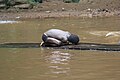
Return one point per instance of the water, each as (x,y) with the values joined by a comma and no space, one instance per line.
(48,64)
(7,21)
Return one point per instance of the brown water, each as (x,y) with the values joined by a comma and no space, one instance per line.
(47,64)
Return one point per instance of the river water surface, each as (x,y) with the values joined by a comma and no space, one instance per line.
(48,64)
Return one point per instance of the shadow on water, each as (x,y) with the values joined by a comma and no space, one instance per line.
(80,46)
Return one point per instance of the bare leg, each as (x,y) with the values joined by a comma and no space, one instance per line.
(52,42)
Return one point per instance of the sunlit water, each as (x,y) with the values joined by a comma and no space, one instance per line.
(7,21)
(48,64)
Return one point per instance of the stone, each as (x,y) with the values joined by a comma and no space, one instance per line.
(1,1)
(2,6)
(24,6)
(21,1)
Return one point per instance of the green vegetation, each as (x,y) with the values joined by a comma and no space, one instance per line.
(67,1)
(33,2)
(75,1)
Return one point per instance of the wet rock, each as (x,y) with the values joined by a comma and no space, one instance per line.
(24,6)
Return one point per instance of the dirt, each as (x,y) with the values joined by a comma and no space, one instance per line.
(53,9)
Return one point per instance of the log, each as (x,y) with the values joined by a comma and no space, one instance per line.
(80,46)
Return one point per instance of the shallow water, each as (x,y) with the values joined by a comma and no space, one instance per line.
(47,64)
(7,21)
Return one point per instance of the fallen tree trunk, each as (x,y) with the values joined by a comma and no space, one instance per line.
(80,46)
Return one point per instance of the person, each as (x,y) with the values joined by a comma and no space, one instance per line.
(57,37)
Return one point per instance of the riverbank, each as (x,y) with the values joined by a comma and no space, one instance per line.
(60,14)
(57,9)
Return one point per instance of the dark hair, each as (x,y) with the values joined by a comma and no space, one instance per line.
(74,39)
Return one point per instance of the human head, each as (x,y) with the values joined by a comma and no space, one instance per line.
(74,39)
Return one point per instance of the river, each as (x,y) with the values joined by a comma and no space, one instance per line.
(56,64)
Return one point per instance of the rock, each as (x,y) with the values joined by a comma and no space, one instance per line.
(24,6)
(1,1)
(21,1)
(18,2)
(2,6)
(10,2)
(113,33)
(63,9)
(103,10)
(48,11)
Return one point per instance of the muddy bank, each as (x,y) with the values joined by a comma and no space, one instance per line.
(53,9)
(61,14)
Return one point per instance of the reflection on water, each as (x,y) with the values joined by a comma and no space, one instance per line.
(59,62)
(59,57)
(46,64)
(7,21)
